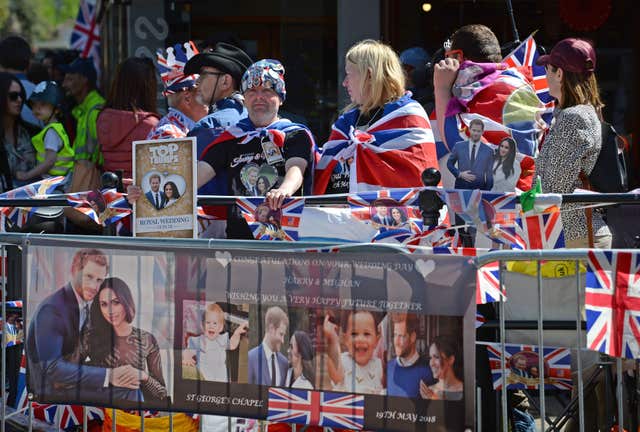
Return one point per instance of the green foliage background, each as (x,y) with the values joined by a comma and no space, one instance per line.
(35,19)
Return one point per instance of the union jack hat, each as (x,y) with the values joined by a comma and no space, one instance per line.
(268,73)
(171,67)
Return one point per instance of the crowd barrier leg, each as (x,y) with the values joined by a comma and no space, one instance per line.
(503,362)
(541,348)
(579,348)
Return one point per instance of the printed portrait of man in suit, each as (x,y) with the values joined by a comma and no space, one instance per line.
(267,365)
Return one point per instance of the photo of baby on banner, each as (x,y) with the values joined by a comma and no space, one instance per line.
(523,367)
(268,224)
(211,340)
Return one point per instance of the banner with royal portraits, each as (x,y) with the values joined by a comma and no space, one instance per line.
(351,340)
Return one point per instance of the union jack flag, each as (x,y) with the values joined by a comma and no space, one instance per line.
(391,153)
(541,231)
(526,54)
(557,367)
(41,189)
(14,303)
(173,125)
(115,205)
(67,416)
(85,36)
(612,302)
(488,288)
(335,410)
(266,224)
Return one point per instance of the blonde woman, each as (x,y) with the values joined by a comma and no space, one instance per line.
(383,138)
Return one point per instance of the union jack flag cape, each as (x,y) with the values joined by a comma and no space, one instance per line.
(557,365)
(173,125)
(85,36)
(335,410)
(390,153)
(41,189)
(612,303)
(282,224)
(512,105)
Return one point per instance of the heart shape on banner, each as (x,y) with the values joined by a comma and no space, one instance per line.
(224,258)
(425,267)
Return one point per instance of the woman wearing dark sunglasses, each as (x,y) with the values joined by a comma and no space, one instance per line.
(18,153)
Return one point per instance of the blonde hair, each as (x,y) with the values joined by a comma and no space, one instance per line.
(383,78)
(213,308)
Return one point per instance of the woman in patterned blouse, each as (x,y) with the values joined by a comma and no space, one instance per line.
(574,140)
(113,341)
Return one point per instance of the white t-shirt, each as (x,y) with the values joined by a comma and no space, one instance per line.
(211,356)
(361,379)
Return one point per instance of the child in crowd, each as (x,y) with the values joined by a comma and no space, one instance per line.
(54,155)
(209,350)
(356,370)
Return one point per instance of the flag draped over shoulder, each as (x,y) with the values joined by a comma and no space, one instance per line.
(391,153)
(511,98)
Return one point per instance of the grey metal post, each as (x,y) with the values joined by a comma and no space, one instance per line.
(503,365)
(619,394)
(4,339)
(84,419)
(579,358)
(478,409)
(541,348)
(171,421)
(113,420)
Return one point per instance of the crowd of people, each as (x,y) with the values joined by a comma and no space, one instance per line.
(382,139)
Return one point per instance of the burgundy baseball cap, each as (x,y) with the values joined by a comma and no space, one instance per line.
(571,54)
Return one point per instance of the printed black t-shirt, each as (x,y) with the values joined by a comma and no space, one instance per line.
(252,172)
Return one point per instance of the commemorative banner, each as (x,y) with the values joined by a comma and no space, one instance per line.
(370,341)
(166,172)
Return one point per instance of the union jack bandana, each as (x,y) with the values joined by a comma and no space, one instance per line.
(268,73)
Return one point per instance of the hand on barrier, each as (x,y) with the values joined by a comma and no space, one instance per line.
(275,198)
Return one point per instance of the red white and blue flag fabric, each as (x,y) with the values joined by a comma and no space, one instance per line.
(612,303)
(541,231)
(557,367)
(19,215)
(104,208)
(267,224)
(335,410)
(488,289)
(66,416)
(173,125)
(391,153)
(525,55)
(85,36)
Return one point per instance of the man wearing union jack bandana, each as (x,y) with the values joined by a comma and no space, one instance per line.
(280,150)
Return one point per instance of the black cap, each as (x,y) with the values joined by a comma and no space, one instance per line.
(82,66)
(225,57)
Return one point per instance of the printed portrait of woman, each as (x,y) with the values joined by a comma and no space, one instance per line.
(263,185)
(171,193)
(445,361)
(399,217)
(113,341)
(301,373)
(506,170)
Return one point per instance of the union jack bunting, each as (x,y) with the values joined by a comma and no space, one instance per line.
(439,236)
(391,153)
(19,215)
(480,319)
(266,224)
(14,304)
(85,36)
(612,302)
(488,288)
(336,410)
(521,363)
(541,231)
(171,67)
(111,205)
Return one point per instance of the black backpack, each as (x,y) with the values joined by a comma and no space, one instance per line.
(609,174)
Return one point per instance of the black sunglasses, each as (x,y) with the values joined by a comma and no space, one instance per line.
(13,96)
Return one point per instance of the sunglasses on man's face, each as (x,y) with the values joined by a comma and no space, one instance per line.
(13,96)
